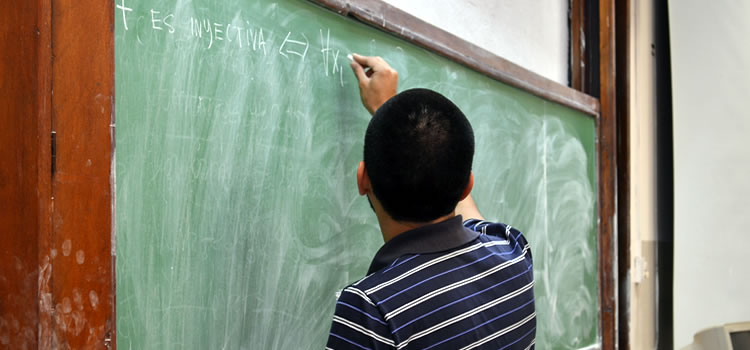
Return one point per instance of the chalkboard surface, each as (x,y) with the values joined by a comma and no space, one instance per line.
(239,129)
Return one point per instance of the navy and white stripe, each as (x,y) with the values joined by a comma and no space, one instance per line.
(442,286)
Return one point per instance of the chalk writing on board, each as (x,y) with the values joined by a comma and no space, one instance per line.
(159,23)
(121,6)
(291,46)
(327,52)
(237,34)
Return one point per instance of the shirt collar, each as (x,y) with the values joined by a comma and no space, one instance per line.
(431,238)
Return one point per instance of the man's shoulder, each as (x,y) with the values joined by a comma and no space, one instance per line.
(496,230)
(498,233)
(410,302)
(412,264)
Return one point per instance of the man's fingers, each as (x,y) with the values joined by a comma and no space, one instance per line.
(359,71)
(362,60)
(375,63)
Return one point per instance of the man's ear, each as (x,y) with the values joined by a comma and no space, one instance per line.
(469,186)
(363,180)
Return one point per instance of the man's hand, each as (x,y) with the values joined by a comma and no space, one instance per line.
(377,81)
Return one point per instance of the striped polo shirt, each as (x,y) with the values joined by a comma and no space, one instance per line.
(443,286)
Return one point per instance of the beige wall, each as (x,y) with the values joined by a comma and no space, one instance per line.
(711,96)
(532,34)
(643,213)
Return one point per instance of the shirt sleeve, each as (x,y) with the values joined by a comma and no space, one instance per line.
(497,229)
(358,324)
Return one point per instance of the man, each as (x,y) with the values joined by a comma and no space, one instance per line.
(437,282)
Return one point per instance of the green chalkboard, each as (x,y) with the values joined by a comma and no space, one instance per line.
(238,133)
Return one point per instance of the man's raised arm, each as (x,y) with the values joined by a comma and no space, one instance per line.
(377,80)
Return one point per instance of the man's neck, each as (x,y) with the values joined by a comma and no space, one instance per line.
(391,228)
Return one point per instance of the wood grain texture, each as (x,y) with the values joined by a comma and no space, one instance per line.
(20,174)
(401,24)
(81,283)
(607,137)
(46,199)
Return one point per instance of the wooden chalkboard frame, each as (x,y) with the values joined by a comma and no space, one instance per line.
(392,20)
(385,17)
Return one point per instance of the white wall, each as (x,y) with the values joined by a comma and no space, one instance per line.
(711,99)
(532,34)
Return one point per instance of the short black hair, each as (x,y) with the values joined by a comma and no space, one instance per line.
(418,153)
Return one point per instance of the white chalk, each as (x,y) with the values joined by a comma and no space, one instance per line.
(350,57)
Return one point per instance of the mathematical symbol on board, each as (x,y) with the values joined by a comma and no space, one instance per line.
(336,67)
(326,47)
(122,7)
(294,42)
(328,53)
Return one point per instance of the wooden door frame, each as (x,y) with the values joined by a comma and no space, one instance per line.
(60,115)
(602,71)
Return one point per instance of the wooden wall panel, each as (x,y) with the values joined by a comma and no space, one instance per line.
(20,171)
(82,280)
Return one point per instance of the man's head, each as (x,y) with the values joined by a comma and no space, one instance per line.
(418,153)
